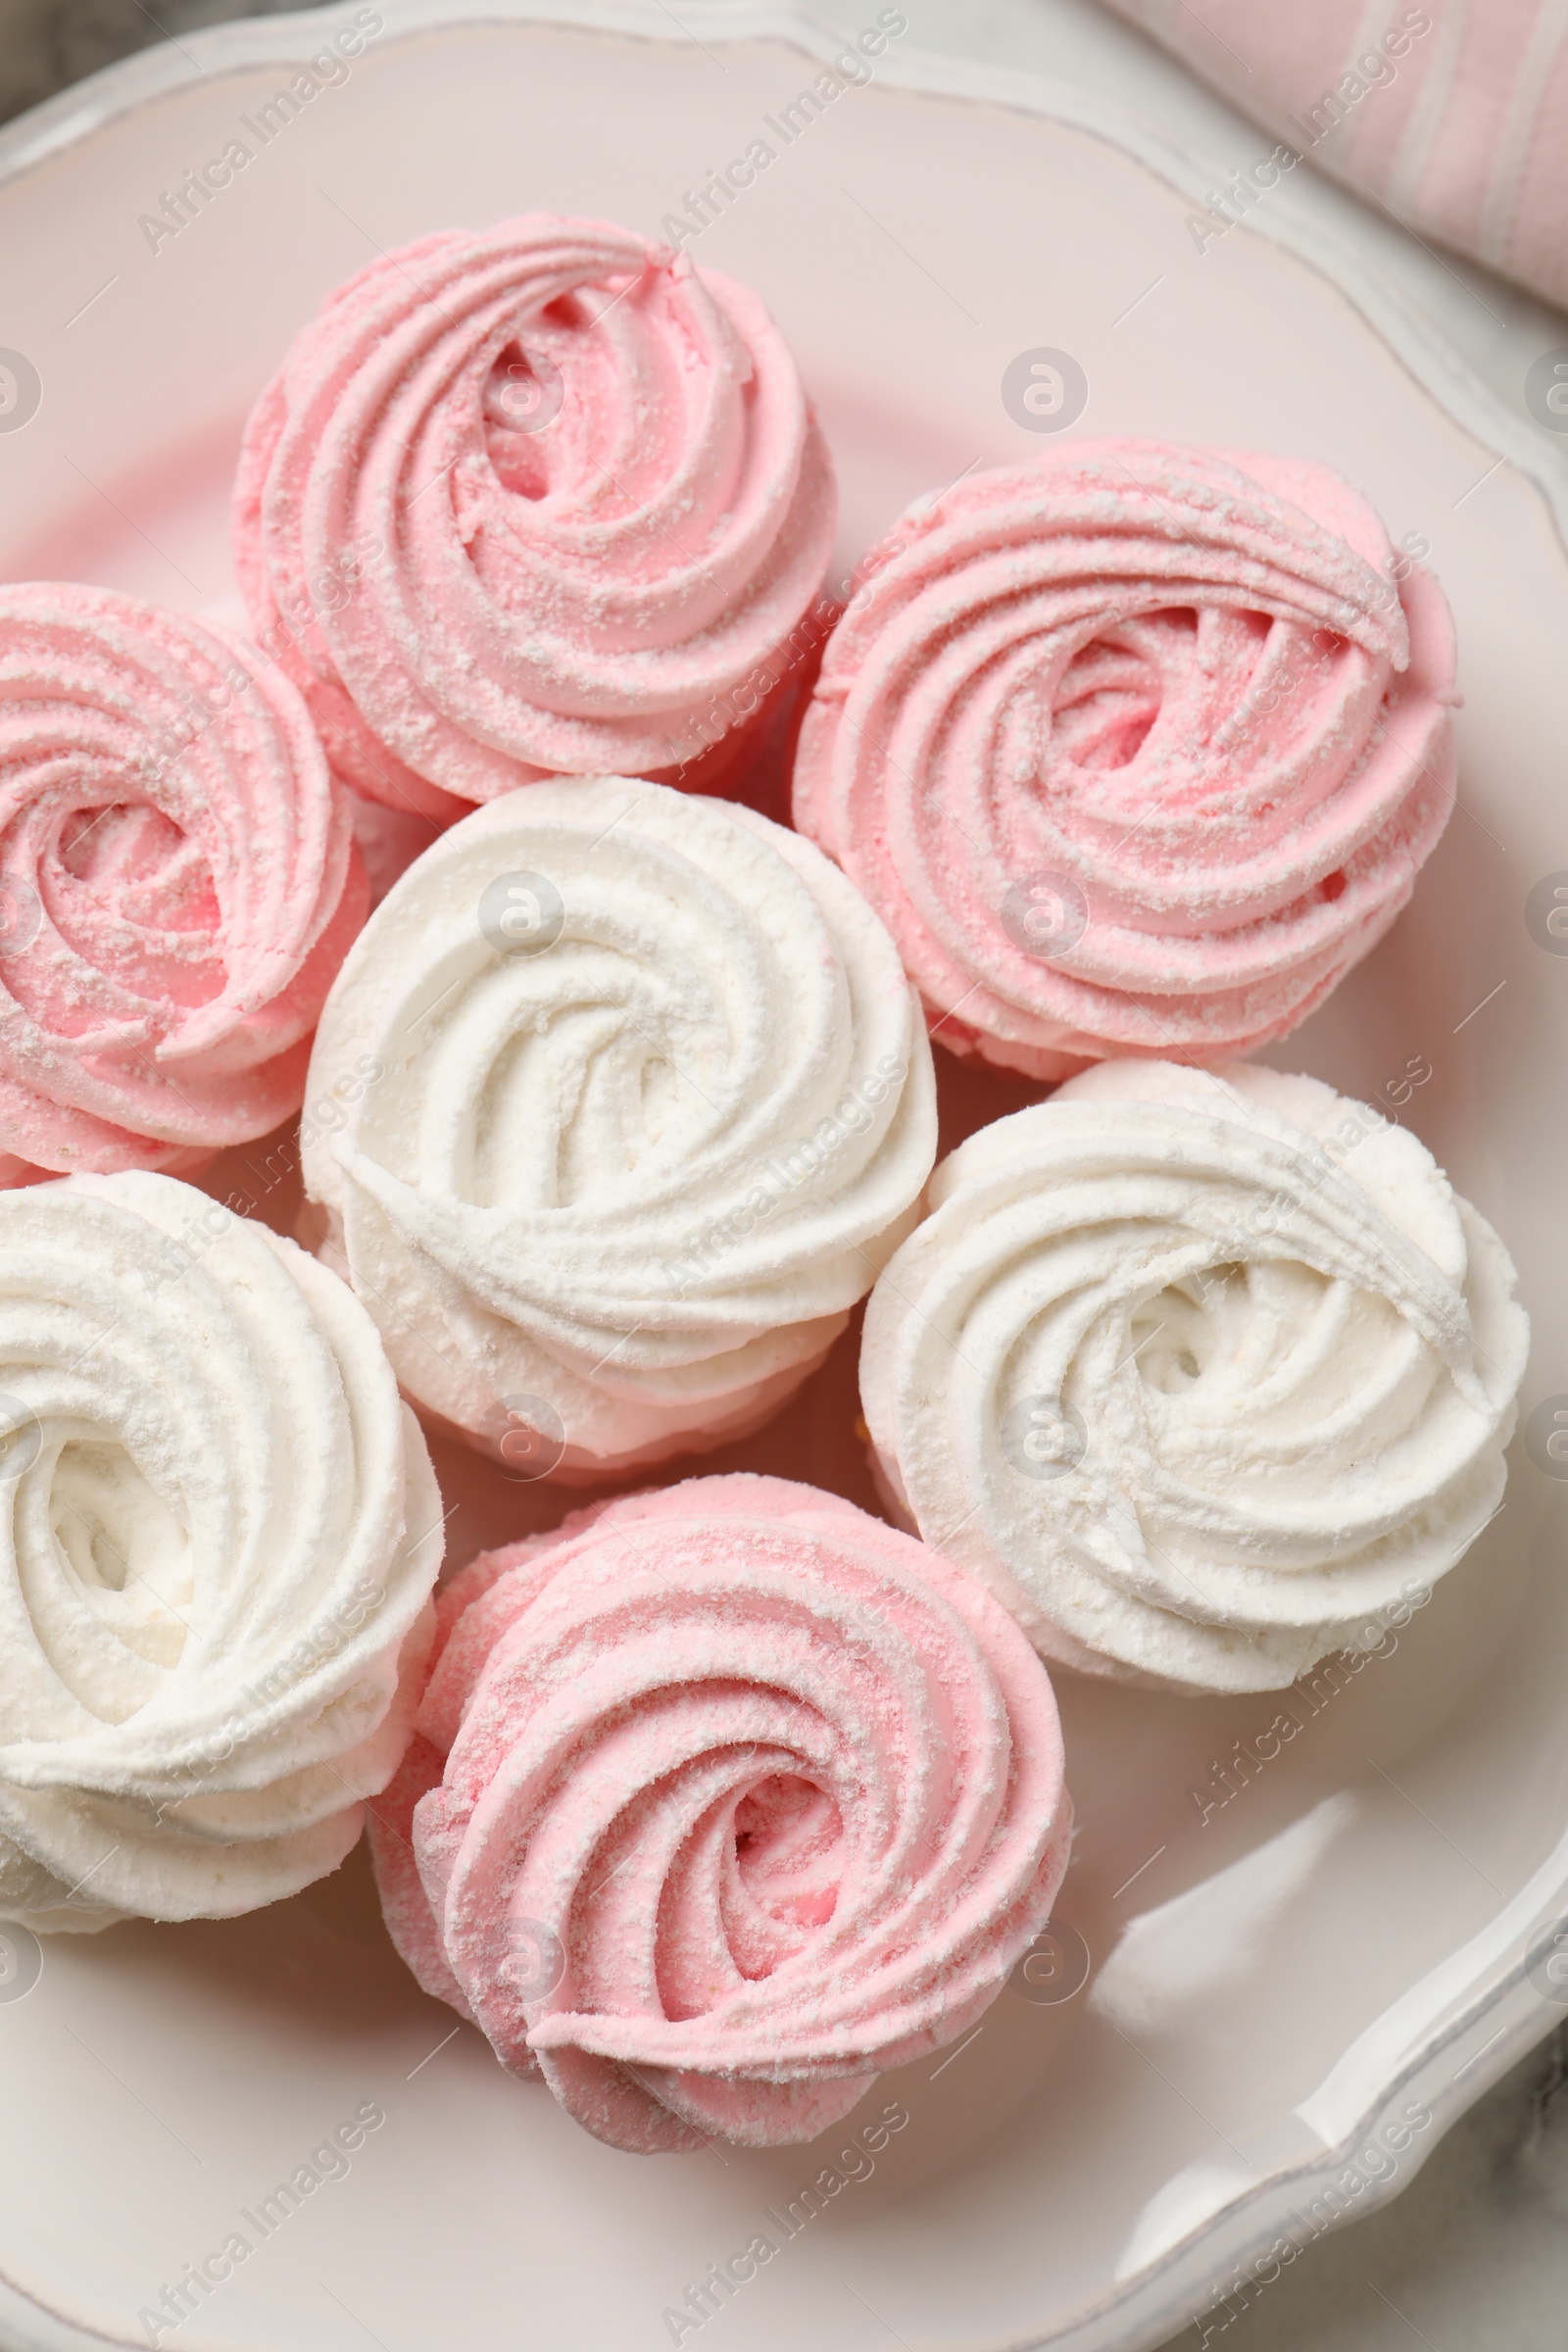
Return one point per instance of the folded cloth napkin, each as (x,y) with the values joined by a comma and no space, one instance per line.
(1453,116)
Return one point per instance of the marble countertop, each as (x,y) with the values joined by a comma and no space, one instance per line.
(1473,2257)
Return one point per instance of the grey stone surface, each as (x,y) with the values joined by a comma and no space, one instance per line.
(1473,2257)
(45,45)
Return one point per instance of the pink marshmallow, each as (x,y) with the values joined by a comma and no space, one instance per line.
(723,1798)
(1135,750)
(536,500)
(178,884)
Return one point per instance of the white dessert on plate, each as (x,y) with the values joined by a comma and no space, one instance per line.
(654,1106)
(220,1535)
(1205,1373)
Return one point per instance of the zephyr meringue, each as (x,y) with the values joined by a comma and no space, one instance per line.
(656,1107)
(534,499)
(721,1800)
(1208,1375)
(1135,749)
(220,1535)
(178,882)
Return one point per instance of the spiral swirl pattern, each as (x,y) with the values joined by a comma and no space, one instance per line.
(178,883)
(1208,1375)
(657,1106)
(721,1800)
(1135,750)
(218,1532)
(529,501)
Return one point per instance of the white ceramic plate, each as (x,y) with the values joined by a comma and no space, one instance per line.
(1357,1939)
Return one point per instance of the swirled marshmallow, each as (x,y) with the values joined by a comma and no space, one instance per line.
(537,499)
(1135,749)
(178,883)
(1208,1375)
(656,1107)
(721,1800)
(218,1532)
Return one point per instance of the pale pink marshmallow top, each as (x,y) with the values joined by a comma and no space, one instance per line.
(1135,749)
(722,1799)
(533,499)
(178,884)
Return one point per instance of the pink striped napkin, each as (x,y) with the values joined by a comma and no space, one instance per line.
(1453,116)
